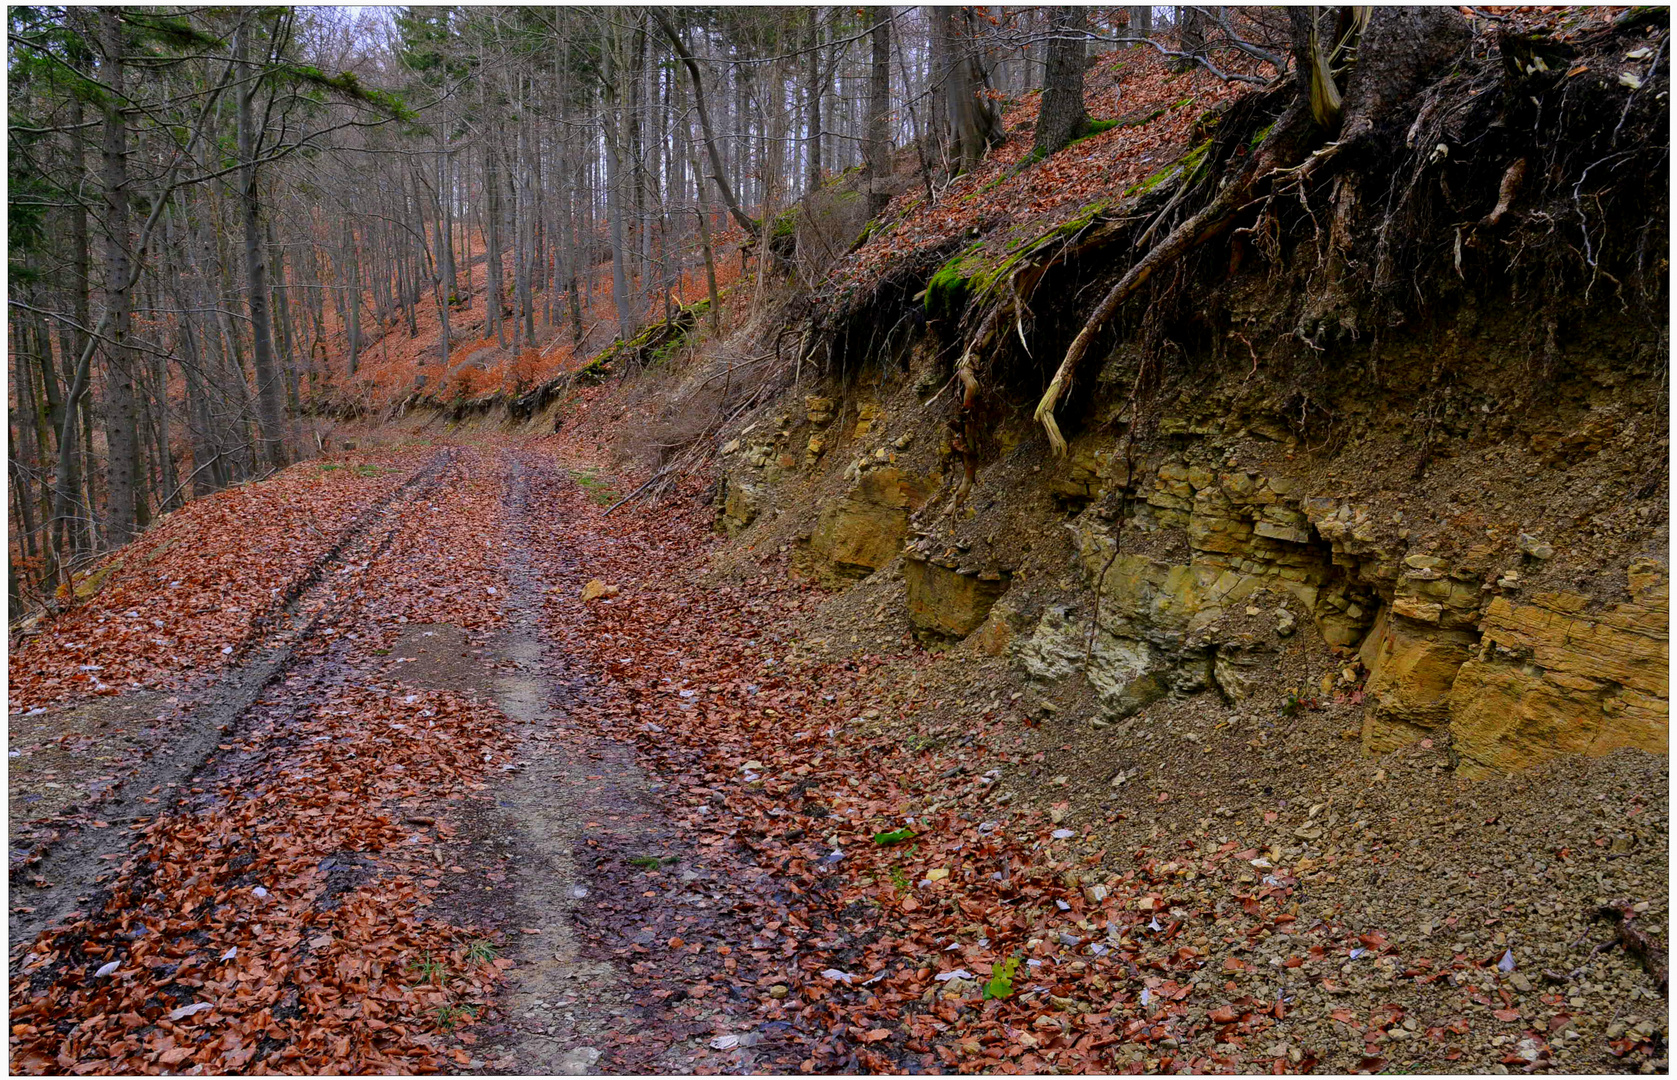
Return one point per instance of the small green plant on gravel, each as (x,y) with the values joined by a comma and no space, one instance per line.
(895,836)
(450,1015)
(653,862)
(329,467)
(480,952)
(1001,980)
(429,969)
(371,470)
(899,880)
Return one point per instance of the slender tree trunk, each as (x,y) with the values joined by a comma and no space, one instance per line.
(877,147)
(1141,22)
(526,236)
(745,220)
(614,197)
(710,254)
(282,319)
(270,401)
(121,429)
(492,260)
(814,91)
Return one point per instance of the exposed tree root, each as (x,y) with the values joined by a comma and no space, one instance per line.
(1280,150)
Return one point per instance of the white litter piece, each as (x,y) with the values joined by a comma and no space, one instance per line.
(108,969)
(838,976)
(958,973)
(190,1010)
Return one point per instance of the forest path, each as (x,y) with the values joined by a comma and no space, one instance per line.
(69,872)
(391,845)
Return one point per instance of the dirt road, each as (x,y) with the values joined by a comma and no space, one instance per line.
(443,813)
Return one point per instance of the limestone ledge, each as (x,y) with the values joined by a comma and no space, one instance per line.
(1509,682)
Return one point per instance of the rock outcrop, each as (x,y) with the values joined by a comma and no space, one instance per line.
(1552,677)
(863,531)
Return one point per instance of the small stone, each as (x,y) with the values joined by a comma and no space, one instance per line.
(1537,549)
(778,991)
(1285,624)
(597,590)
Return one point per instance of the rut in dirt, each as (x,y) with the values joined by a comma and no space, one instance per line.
(65,874)
(269,911)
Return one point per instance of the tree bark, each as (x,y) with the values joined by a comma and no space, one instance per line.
(814,95)
(1062,118)
(614,197)
(121,430)
(972,125)
(270,401)
(877,147)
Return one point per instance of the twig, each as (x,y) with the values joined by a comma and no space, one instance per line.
(637,491)
(1640,945)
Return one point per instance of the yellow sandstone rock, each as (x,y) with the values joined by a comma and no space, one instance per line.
(1552,678)
(864,530)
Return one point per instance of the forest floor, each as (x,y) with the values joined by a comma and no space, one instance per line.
(485,780)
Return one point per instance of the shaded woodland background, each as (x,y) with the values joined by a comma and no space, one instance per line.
(228,224)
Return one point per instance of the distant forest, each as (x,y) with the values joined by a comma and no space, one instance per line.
(216,213)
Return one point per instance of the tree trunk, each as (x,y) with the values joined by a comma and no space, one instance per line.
(972,125)
(1191,23)
(877,147)
(492,256)
(614,197)
(814,92)
(1062,118)
(719,175)
(704,243)
(1141,22)
(121,428)
(270,401)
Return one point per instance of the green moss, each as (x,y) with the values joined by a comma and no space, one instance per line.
(785,223)
(1191,165)
(975,276)
(1193,162)
(946,292)
(1259,136)
(1095,127)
